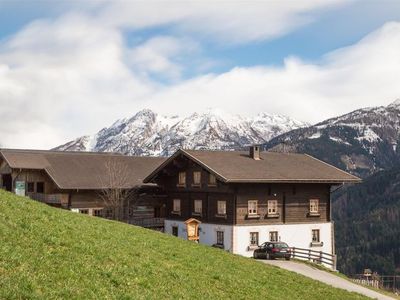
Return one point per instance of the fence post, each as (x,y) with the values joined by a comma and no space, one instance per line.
(320,257)
(309,254)
(334,262)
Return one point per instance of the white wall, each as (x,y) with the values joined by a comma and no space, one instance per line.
(295,235)
(207,233)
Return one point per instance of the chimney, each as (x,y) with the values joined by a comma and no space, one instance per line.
(255,152)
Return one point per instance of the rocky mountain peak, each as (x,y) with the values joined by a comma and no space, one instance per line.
(148,133)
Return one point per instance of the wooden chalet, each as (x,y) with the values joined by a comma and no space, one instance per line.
(76,181)
(243,199)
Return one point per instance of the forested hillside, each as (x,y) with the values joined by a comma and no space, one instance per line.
(367,223)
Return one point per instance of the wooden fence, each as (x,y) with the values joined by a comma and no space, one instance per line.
(387,282)
(314,256)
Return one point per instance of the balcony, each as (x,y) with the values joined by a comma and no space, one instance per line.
(58,199)
(147,222)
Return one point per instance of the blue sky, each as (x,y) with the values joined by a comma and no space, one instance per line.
(62,64)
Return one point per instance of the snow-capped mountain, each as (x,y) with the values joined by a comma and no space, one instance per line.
(148,133)
(362,142)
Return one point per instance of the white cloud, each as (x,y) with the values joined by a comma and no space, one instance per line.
(64,78)
(162,55)
(225,21)
(364,74)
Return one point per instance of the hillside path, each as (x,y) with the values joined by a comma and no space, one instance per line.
(326,277)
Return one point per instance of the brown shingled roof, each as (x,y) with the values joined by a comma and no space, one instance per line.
(237,166)
(80,170)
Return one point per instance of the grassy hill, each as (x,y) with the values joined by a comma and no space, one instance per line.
(51,253)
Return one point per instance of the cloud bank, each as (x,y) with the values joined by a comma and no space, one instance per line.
(73,75)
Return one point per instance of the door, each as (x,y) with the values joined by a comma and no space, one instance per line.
(7,182)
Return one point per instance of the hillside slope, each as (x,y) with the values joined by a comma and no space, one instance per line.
(367,224)
(49,253)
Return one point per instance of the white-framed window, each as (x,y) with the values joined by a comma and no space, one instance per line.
(176,206)
(273,236)
(182,178)
(314,206)
(253,238)
(272,207)
(220,238)
(252,207)
(221,206)
(196,177)
(315,237)
(198,206)
(211,179)
(84,211)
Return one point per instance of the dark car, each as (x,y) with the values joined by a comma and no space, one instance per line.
(272,250)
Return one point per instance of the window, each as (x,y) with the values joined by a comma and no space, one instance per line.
(315,236)
(31,187)
(314,206)
(182,178)
(40,187)
(198,206)
(212,180)
(97,212)
(175,230)
(176,206)
(84,211)
(221,207)
(157,212)
(220,238)
(252,207)
(196,178)
(272,207)
(273,236)
(107,213)
(253,238)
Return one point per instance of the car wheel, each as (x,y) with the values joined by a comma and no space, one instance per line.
(255,255)
(287,258)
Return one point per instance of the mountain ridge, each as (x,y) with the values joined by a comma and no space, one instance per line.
(150,134)
(361,142)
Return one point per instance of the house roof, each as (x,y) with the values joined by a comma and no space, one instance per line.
(238,166)
(83,170)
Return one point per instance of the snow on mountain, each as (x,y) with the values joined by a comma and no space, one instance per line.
(362,142)
(148,133)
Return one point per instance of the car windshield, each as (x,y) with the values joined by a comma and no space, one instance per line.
(281,245)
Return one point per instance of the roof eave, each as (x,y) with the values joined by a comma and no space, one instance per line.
(335,181)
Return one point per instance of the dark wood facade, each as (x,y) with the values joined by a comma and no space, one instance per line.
(293,199)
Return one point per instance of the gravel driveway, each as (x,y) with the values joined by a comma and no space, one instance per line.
(325,277)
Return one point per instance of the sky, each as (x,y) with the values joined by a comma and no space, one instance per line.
(70,68)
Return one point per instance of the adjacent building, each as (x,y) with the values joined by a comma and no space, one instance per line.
(246,198)
(78,181)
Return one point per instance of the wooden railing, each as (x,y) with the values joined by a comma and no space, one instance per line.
(147,222)
(387,282)
(314,256)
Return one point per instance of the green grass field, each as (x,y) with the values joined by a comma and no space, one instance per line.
(48,253)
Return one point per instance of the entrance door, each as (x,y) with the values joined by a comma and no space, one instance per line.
(7,182)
